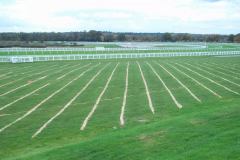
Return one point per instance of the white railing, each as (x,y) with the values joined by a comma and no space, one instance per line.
(37,58)
(70,50)
(73,49)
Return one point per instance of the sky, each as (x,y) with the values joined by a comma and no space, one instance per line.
(179,16)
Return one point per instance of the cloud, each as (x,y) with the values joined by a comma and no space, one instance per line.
(196,16)
(212,0)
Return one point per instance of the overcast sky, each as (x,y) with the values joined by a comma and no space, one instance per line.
(192,16)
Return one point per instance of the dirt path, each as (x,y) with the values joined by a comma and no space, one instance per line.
(199,83)
(29,94)
(38,79)
(98,100)
(39,104)
(124,97)
(165,86)
(11,82)
(5,74)
(73,70)
(27,76)
(209,79)
(229,69)
(215,74)
(68,104)
(226,74)
(2,115)
(185,87)
(5,77)
(147,90)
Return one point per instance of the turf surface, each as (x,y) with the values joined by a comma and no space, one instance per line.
(206,130)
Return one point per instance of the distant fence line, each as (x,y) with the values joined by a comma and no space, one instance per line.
(73,49)
(37,58)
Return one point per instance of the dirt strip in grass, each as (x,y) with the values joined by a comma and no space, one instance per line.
(221,72)
(199,83)
(84,124)
(39,104)
(73,70)
(24,85)
(26,95)
(124,98)
(214,75)
(147,90)
(209,79)
(68,104)
(184,86)
(165,86)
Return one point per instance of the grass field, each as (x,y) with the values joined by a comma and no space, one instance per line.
(161,108)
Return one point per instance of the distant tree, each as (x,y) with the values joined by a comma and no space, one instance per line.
(93,35)
(183,37)
(108,38)
(231,38)
(237,38)
(187,37)
(121,37)
(23,36)
(178,37)
(213,38)
(167,37)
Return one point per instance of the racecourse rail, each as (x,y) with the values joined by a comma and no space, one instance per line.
(72,49)
(37,58)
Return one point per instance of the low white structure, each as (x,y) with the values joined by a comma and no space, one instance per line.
(100,49)
(36,58)
(21,59)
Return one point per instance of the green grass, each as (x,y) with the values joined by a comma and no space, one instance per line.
(206,130)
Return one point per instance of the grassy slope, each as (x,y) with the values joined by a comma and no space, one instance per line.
(206,132)
(198,131)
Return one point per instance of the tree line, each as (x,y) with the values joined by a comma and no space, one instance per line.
(99,36)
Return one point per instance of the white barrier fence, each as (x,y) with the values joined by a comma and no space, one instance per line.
(66,51)
(72,49)
(37,58)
